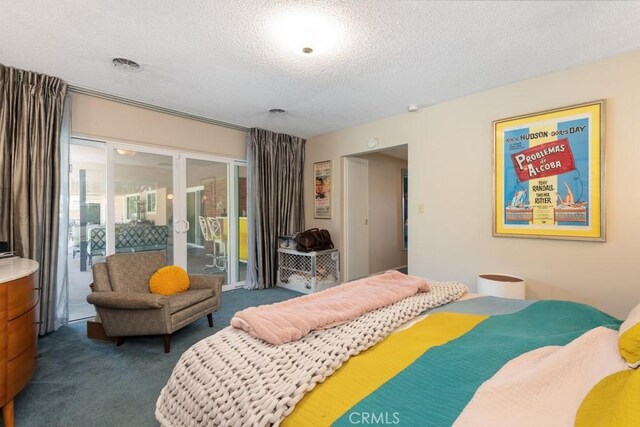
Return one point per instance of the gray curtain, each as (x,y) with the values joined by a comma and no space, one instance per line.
(31,108)
(275,184)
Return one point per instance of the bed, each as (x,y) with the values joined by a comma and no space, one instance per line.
(466,360)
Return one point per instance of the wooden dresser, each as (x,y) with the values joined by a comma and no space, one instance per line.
(18,330)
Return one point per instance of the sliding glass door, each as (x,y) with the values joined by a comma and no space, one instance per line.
(214,231)
(207,213)
(132,198)
(87,210)
(242,248)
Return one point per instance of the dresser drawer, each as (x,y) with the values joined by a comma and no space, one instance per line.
(22,332)
(20,370)
(22,294)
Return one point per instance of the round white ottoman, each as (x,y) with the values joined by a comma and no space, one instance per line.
(501,285)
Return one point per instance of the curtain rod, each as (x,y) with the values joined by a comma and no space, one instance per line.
(127,101)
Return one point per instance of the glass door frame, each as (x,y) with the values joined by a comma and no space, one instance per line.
(180,211)
(180,224)
(81,310)
(195,190)
(235,169)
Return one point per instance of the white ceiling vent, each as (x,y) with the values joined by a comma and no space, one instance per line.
(125,64)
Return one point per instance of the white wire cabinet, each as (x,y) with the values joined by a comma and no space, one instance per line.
(308,272)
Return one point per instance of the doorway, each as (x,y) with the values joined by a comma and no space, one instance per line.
(376,225)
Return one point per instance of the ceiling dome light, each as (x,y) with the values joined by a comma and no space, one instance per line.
(125,64)
(306,32)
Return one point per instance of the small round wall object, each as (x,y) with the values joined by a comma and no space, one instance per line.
(372,142)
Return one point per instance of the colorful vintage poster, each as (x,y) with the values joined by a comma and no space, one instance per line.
(548,174)
(322,176)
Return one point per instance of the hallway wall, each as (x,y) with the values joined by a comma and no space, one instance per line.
(385,212)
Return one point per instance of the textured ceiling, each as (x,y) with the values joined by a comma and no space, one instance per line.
(221,59)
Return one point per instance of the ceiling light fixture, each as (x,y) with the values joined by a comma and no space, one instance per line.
(307,32)
(125,64)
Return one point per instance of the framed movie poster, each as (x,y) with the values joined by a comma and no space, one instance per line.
(322,202)
(548,174)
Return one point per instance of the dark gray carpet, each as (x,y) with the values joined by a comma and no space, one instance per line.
(85,382)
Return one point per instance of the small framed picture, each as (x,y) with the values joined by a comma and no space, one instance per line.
(322,202)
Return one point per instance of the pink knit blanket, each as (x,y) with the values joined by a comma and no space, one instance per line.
(291,320)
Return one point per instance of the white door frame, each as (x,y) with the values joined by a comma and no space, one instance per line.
(232,226)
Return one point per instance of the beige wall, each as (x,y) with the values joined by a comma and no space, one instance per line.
(390,132)
(385,213)
(450,154)
(98,118)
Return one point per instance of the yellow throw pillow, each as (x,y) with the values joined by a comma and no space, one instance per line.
(612,402)
(169,280)
(629,338)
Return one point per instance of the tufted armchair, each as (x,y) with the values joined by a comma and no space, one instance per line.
(126,306)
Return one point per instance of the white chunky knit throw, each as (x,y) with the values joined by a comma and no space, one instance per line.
(234,379)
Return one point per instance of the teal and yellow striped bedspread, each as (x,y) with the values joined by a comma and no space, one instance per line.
(484,361)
